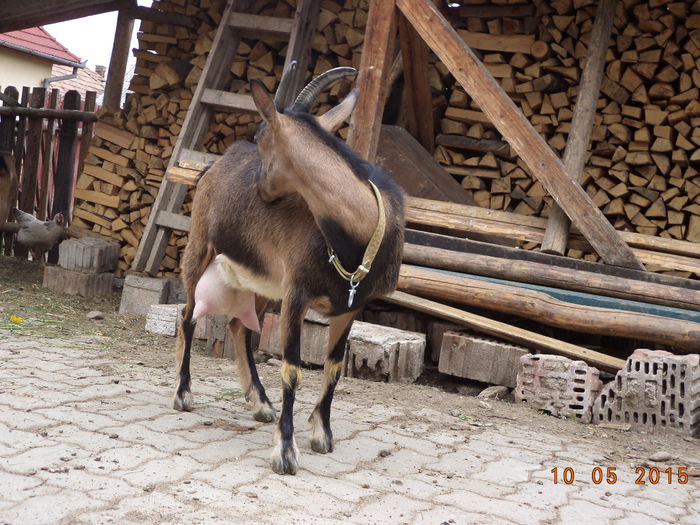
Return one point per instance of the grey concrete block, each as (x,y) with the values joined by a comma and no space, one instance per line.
(72,282)
(480,358)
(140,292)
(384,354)
(89,255)
(558,385)
(655,390)
(373,352)
(435,331)
(163,319)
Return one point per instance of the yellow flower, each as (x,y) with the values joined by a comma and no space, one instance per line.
(16,319)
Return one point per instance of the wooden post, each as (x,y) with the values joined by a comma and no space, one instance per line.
(68,138)
(21,132)
(33,154)
(378,50)
(117,62)
(419,98)
(47,162)
(576,150)
(305,19)
(544,164)
(87,129)
(7,143)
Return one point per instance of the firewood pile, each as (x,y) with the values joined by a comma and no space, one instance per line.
(642,170)
(643,167)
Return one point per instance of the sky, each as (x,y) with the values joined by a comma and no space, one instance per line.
(91,37)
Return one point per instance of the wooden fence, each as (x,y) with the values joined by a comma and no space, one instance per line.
(48,137)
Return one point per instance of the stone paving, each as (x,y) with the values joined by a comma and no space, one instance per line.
(87,435)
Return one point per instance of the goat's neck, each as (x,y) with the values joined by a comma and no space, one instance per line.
(345,207)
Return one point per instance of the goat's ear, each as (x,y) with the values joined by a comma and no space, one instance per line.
(264,102)
(332,119)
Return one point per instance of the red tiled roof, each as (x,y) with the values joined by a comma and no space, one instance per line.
(38,39)
(87,80)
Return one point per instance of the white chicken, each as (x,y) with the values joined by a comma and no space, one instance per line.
(38,236)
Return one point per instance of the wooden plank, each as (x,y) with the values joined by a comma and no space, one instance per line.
(97,197)
(103,174)
(495,146)
(507,332)
(112,134)
(543,308)
(575,153)
(30,172)
(558,277)
(227,101)
(299,47)
(415,169)
(261,24)
(457,244)
(87,129)
(7,143)
(513,125)
(378,51)
(637,240)
(66,114)
(47,161)
(33,13)
(488,42)
(174,221)
(419,98)
(118,62)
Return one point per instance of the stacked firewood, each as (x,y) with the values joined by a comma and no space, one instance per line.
(130,152)
(645,154)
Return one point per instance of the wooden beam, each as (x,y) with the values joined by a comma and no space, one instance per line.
(577,142)
(517,130)
(507,332)
(542,307)
(32,13)
(554,276)
(419,98)
(160,17)
(299,48)
(30,173)
(377,54)
(65,114)
(117,63)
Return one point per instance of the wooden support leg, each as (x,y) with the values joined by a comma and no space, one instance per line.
(555,236)
(372,80)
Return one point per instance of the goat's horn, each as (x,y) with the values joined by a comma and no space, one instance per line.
(312,90)
(284,85)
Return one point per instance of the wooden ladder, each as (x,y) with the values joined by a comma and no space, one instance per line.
(210,96)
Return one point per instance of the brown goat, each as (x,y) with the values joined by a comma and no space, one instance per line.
(264,220)
(8,185)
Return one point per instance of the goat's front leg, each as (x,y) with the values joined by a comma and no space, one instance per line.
(285,452)
(321,435)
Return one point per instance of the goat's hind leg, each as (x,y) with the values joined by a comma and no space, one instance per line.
(192,271)
(321,434)
(247,371)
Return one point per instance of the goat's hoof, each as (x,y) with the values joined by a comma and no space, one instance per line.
(184,402)
(322,445)
(284,455)
(265,414)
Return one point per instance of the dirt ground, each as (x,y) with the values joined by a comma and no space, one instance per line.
(47,315)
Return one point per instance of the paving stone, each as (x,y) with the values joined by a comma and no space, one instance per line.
(655,390)
(88,255)
(140,292)
(515,512)
(580,512)
(72,282)
(557,385)
(391,508)
(54,507)
(480,358)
